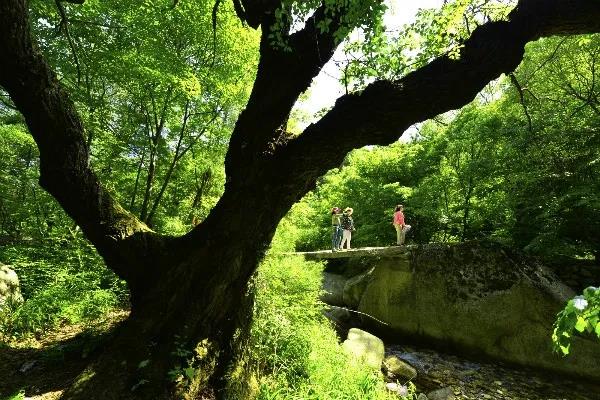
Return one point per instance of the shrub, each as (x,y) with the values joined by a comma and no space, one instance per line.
(581,315)
(293,348)
(63,282)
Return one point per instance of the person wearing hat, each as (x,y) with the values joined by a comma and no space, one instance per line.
(336,224)
(348,227)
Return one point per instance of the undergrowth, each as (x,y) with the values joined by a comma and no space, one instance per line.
(294,352)
(62,282)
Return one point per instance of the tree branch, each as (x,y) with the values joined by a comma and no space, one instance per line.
(254,12)
(215,10)
(64,24)
(239,11)
(281,77)
(384,110)
(64,155)
(517,86)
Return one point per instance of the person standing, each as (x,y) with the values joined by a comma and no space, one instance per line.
(348,227)
(400,225)
(336,224)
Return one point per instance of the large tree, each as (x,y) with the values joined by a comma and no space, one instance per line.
(191,291)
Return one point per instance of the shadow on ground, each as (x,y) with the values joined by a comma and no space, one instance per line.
(42,369)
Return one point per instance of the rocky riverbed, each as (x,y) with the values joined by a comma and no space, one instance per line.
(480,380)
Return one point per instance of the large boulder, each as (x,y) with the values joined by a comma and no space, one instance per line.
(480,298)
(10,291)
(364,347)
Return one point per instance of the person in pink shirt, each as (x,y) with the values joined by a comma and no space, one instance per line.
(401,227)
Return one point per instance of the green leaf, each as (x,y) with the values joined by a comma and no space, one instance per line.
(580,324)
(598,329)
(189,373)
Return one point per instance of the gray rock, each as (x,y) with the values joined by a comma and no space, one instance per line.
(481,297)
(400,390)
(364,347)
(441,394)
(355,287)
(399,369)
(422,396)
(10,291)
(333,289)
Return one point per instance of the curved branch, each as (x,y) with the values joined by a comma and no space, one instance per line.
(64,154)
(519,89)
(281,77)
(384,110)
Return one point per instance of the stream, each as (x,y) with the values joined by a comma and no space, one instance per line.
(486,380)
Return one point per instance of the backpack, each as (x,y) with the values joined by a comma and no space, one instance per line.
(347,222)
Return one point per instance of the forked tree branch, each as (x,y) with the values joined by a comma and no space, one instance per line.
(519,89)
(281,77)
(385,109)
(64,154)
(64,27)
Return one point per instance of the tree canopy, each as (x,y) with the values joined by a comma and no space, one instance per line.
(119,97)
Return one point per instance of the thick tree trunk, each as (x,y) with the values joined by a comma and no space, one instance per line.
(189,317)
(191,292)
(196,307)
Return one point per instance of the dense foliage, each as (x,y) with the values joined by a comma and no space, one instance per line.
(519,164)
(508,166)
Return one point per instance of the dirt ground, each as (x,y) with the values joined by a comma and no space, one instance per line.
(41,368)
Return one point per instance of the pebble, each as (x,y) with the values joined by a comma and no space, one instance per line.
(467,379)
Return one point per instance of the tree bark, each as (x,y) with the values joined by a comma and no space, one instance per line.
(201,189)
(192,291)
(137,179)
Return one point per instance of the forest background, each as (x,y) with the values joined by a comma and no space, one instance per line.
(520,164)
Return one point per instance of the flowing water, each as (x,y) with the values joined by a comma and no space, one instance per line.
(486,380)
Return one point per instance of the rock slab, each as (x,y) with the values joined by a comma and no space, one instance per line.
(478,298)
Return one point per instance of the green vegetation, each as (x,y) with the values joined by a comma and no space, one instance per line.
(63,283)
(159,86)
(582,314)
(294,349)
(491,169)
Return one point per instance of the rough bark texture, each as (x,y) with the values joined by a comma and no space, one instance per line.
(192,289)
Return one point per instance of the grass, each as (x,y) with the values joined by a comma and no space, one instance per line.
(295,351)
